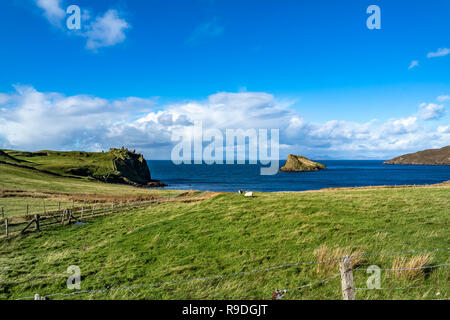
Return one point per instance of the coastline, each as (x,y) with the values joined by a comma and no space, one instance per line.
(441,184)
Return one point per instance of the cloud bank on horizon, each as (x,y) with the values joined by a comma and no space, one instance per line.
(34,120)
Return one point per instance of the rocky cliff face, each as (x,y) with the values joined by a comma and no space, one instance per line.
(115,166)
(131,168)
(295,163)
(425,157)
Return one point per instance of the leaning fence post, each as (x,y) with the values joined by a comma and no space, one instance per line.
(36,221)
(6,226)
(345,267)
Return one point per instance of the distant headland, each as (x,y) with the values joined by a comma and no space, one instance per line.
(440,157)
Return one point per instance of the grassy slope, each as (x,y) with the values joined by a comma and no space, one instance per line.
(17,178)
(229,233)
(63,162)
(119,165)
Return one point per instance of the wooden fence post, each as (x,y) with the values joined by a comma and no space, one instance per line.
(36,221)
(59,205)
(112,208)
(345,267)
(27,208)
(3,213)
(45,211)
(82,212)
(6,226)
(92,209)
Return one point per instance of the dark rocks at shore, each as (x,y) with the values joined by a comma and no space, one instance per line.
(155,184)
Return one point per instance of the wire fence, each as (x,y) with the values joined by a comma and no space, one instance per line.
(18,225)
(77,212)
(277,294)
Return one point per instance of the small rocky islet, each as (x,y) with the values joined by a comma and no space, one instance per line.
(297,163)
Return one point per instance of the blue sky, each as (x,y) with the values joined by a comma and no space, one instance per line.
(316,60)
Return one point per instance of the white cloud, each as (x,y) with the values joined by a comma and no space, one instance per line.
(439,53)
(443,98)
(443,129)
(208,29)
(401,126)
(431,111)
(413,64)
(52,10)
(3,98)
(34,120)
(106,31)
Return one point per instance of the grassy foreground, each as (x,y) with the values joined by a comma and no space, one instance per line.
(228,233)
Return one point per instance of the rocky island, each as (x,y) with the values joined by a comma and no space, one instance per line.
(426,157)
(296,163)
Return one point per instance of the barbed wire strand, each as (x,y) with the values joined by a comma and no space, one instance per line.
(407,269)
(159,284)
(291,265)
(294,264)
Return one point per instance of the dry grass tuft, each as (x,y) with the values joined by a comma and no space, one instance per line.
(331,258)
(414,263)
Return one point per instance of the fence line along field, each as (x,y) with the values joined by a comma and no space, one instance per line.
(346,271)
(169,241)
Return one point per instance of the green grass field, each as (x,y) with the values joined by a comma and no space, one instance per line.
(21,186)
(62,163)
(228,233)
(115,165)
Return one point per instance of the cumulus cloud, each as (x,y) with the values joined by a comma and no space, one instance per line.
(413,64)
(104,31)
(431,111)
(34,120)
(439,53)
(52,10)
(443,98)
(444,129)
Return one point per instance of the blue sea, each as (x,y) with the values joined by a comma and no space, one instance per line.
(339,173)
